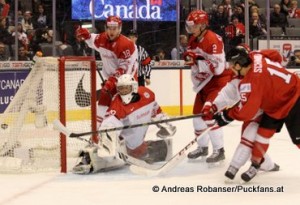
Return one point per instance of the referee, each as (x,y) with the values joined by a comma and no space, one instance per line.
(143,59)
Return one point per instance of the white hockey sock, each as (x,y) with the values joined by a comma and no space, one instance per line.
(240,156)
(268,164)
(216,137)
(199,125)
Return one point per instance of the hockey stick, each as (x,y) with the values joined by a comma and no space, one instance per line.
(59,126)
(140,168)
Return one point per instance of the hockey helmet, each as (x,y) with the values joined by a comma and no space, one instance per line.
(238,56)
(113,21)
(196,17)
(244,46)
(126,87)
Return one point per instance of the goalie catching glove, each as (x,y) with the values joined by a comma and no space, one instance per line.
(166,129)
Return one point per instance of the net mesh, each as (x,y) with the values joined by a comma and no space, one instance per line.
(28,142)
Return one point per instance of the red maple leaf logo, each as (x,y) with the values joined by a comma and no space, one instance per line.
(156,2)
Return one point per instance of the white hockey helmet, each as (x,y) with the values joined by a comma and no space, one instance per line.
(126,86)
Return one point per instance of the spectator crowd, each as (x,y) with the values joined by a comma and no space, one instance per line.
(226,18)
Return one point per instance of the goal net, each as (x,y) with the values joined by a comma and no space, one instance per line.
(56,88)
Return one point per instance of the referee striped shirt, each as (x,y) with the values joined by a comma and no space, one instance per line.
(144,62)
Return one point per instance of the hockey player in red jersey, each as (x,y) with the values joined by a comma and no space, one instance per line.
(268,86)
(228,97)
(118,55)
(131,105)
(206,57)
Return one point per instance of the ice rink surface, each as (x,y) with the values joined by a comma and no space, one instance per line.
(190,183)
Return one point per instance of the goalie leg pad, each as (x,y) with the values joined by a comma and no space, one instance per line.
(92,163)
(159,150)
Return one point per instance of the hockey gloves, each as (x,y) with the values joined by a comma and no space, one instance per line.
(208,111)
(107,91)
(82,34)
(222,118)
(110,83)
(191,58)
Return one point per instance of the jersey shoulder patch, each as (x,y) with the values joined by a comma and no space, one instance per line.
(245,88)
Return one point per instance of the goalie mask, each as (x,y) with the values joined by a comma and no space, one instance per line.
(197,20)
(127,87)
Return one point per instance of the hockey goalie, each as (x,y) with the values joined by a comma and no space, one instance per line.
(131,105)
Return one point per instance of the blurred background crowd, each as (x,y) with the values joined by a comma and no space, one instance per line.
(33,28)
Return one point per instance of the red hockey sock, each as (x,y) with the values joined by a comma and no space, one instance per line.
(258,151)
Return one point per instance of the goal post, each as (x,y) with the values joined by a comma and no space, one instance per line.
(55,88)
(62,94)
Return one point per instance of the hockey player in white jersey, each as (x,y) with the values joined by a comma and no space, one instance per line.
(228,97)
(118,55)
(206,57)
(131,105)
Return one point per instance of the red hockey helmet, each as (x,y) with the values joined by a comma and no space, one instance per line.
(113,21)
(195,18)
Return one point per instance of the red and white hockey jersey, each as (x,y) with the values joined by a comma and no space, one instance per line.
(120,53)
(141,111)
(211,47)
(267,86)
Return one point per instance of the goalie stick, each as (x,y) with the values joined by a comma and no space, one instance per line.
(59,126)
(142,168)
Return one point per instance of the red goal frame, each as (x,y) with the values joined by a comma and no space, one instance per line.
(62,102)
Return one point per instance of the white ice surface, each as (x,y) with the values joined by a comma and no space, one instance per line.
(123,187)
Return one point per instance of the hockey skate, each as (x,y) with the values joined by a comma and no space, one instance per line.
(231,172)
(275,168)
(84,166)
(199,152)
(165,132)
(250,173)
(217,156)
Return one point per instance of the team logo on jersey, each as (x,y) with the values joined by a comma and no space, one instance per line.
(147,95)
(110,112)
(245,88)
(286,51)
